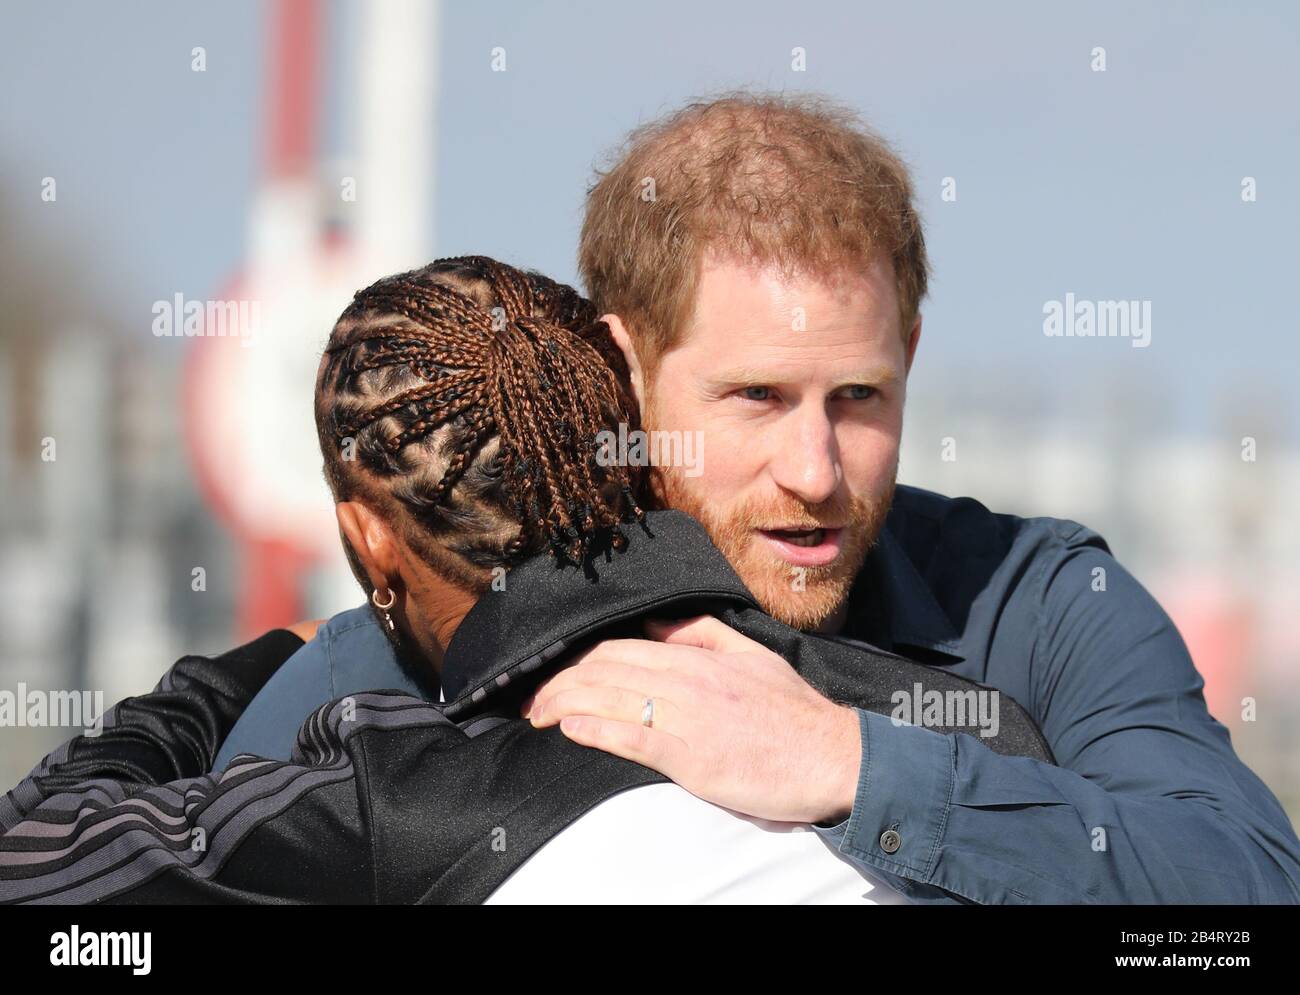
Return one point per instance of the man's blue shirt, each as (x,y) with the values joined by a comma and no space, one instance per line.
(1149,802)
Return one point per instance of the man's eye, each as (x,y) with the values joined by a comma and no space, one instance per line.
(757,393)
(860,392)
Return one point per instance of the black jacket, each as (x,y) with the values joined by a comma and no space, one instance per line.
(389,798)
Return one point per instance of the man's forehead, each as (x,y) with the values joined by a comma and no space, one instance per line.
(730,290)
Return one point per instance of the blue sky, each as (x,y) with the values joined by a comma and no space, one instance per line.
(1116,185)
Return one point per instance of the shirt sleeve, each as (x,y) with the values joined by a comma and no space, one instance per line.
(1150,803)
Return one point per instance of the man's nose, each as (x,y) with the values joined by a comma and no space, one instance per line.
(806,461)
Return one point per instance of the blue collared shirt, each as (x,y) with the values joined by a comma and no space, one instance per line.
(1149,802)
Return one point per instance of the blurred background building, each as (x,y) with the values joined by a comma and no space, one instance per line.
(291,152)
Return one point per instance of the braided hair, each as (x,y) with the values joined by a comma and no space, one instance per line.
(463,401)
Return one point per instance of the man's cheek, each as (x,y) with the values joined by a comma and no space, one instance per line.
(872,471)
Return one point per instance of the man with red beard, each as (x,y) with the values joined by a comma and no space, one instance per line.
(762,266)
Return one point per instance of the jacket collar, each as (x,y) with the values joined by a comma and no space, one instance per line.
(546,608)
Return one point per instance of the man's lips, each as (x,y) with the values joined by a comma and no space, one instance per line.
(804,547)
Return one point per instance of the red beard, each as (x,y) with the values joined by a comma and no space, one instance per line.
(802,597)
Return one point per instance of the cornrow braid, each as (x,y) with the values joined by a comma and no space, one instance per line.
(465,399)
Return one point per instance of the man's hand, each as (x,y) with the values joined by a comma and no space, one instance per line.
(733,723)
(306,630)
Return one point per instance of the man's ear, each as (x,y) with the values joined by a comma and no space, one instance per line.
(372,541)
(618,331)
(913,339)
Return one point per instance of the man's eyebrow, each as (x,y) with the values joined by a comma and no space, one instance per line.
(875,376)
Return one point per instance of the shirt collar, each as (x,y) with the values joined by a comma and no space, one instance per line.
(890,593)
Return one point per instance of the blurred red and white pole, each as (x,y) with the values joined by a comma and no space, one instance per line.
(249,398)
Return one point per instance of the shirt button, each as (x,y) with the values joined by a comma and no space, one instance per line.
(890,841)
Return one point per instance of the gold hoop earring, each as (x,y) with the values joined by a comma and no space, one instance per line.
(385,608)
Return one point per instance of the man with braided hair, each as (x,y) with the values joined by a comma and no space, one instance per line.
(424,430)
